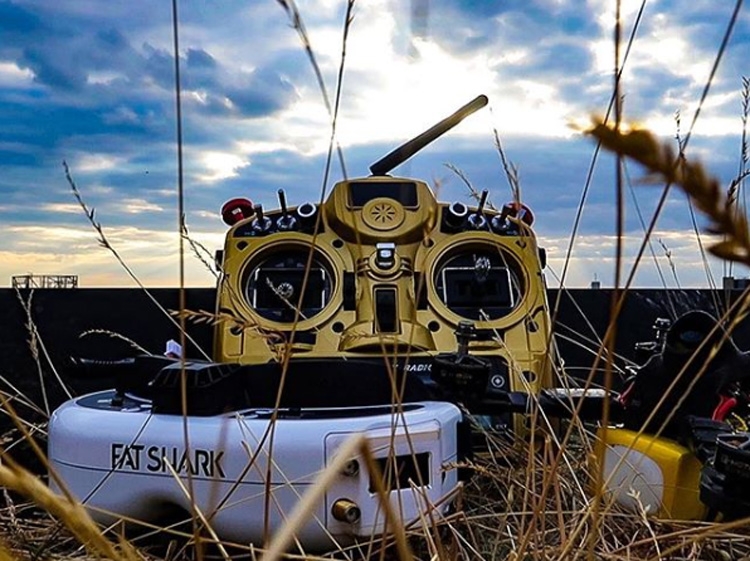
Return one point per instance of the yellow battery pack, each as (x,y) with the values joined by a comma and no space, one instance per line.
(657,475)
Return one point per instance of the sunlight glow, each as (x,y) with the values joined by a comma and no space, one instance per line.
(60,250)
(96,162)
(221,165)
(13,75)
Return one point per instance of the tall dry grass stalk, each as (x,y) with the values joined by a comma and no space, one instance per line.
(201,253)
(33,343)
(510,169)
(672,266)
(356,444)
(36,344)
(298,24)
(68,511)
(105,243)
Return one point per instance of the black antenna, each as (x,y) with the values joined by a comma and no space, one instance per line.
(482,201)
(282,202)
(407,150)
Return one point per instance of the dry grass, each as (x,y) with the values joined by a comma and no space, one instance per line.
(522,502)
(505,514)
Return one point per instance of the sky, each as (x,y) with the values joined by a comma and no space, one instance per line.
(92,83)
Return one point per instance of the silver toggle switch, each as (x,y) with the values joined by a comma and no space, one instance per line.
(385,255)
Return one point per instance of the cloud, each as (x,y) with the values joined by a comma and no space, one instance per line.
(67,208)
(96,162)
(137,206)
(16,21)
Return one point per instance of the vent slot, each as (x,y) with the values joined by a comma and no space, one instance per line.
(398,471)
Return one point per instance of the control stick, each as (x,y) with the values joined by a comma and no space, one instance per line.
(286,222)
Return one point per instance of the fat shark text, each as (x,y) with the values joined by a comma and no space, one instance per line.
(158,459)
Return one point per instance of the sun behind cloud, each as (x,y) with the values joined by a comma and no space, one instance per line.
(221,165)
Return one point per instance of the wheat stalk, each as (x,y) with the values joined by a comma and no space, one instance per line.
(662,163)
(115,335)
(218,318)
